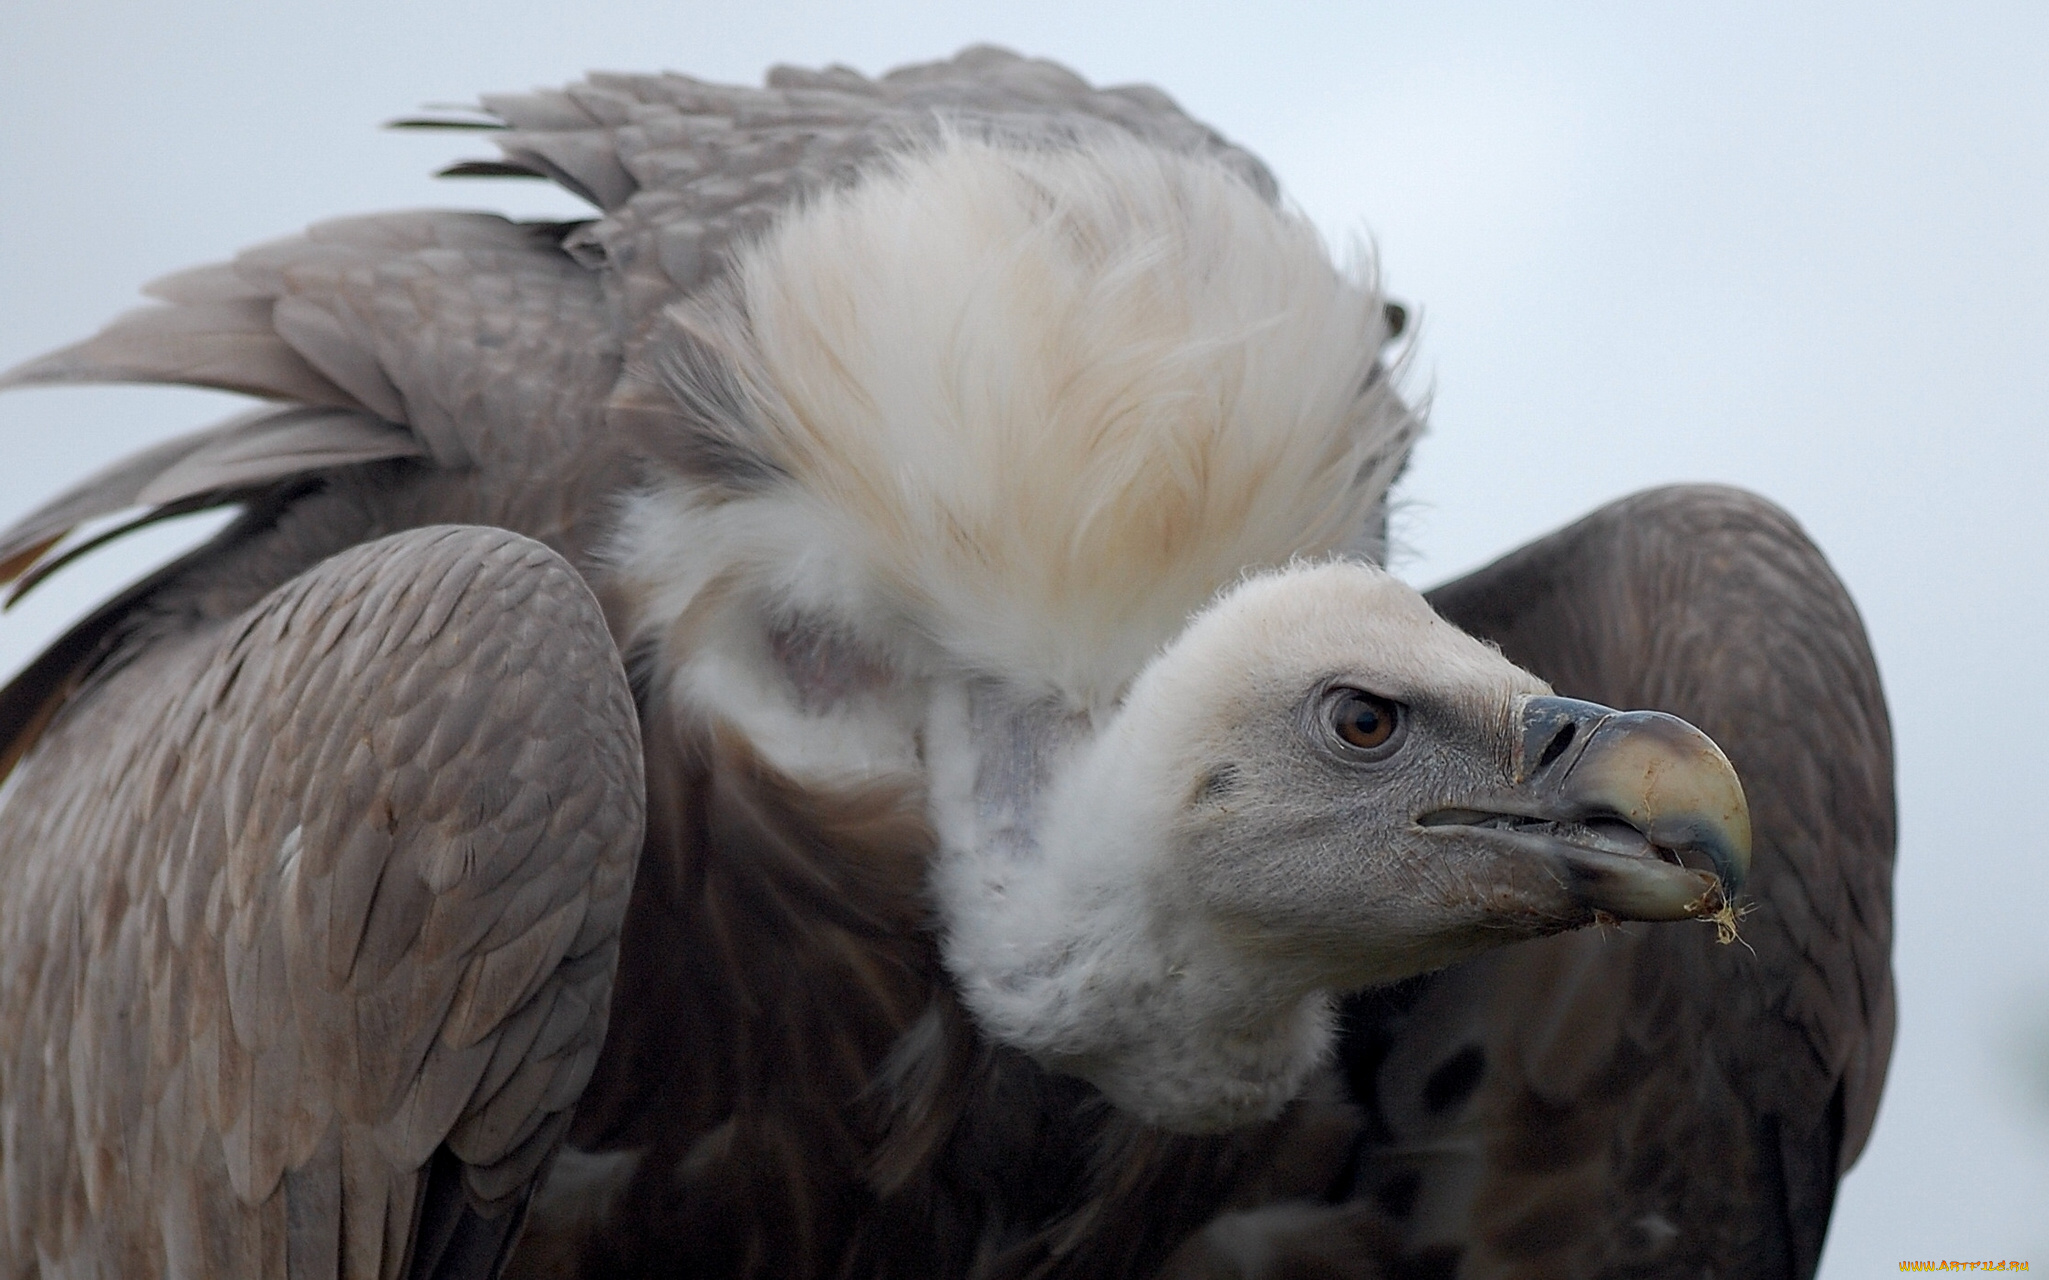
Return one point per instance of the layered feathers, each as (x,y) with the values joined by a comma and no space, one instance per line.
(1171,384)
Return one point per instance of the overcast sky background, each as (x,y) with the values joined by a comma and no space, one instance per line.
(1799,248)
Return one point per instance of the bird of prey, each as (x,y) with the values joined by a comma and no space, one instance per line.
(840,717)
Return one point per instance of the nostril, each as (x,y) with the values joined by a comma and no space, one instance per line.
(1556,730)
(1559,742)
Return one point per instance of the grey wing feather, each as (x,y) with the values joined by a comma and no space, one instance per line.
(452,338)
(410,318)
(308,898)
(249,452)
(272,445)
(104,492)
(684,169)
(229,346)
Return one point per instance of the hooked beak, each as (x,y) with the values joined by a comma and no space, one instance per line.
(1621,807)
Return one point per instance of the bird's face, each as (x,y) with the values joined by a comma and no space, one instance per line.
(1317,787)
(1350,786)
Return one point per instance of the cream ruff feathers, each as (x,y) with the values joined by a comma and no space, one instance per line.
(1038,404)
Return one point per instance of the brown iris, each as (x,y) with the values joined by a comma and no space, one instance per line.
(1363,721)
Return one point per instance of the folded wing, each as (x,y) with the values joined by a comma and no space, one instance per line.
(311,922)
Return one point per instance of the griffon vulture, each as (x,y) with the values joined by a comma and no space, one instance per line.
(838,718)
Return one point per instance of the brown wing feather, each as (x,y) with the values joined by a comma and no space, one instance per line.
(1640,1100)
(306,899)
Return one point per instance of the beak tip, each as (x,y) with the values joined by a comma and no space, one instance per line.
(1661,775)
(1723,838)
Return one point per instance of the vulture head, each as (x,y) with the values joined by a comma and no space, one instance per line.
(1047,483)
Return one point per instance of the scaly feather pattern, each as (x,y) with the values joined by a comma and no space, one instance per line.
(292,949)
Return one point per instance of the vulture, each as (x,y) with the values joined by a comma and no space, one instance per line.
(841,717)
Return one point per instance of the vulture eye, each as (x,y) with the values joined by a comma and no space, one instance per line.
(1361,721)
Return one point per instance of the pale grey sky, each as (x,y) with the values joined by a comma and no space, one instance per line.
(1801,248)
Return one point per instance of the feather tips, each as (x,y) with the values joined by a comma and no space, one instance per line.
(226,345)
(205,468)
(271,446)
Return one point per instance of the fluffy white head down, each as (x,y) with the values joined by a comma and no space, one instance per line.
(1037,406)
(1175,942)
